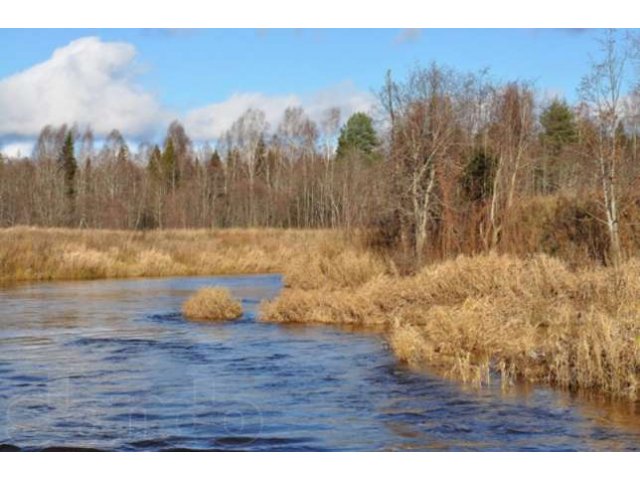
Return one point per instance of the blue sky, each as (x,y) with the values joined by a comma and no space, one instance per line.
(201,76)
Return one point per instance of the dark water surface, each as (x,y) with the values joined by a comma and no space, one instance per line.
(112,365)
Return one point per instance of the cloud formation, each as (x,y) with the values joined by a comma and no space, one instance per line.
(92,83)
(87,82)
(211,121)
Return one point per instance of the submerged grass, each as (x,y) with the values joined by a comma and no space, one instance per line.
(212,303)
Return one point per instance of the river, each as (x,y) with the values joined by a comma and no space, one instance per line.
(112,365)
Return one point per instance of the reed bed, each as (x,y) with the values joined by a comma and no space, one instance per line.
(532,320)
(29,253)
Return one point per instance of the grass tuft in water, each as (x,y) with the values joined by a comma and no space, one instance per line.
(212,303)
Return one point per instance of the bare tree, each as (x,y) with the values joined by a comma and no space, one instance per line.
(329,126)
(603,91)
(244,137)
(513,133)
(422,117)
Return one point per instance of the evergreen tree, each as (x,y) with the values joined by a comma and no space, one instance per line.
(559,126)
(155,164)
(69,166)
(215,170)
(559,131)
(478,176)
(358,135)
(169,164)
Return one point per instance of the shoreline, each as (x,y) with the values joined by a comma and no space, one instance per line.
(529,319)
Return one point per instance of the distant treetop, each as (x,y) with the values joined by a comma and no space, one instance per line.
(358,135)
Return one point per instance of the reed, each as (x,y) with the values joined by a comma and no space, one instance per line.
(532,320)
(29,253)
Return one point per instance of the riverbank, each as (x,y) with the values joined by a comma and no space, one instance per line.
(32,254)
(534,320)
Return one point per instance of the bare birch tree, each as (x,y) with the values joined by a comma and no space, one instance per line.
(422,117)
(603,90)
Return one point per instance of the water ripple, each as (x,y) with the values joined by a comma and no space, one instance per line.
(113,365)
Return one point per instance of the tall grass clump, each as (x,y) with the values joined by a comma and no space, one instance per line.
(532,320)
(212,303)
(336,263)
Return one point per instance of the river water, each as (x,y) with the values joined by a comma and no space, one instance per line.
(112,365)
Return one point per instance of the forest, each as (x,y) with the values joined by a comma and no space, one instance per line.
(447,163)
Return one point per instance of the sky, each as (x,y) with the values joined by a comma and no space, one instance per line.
(139,80)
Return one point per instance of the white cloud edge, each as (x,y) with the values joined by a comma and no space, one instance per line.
(89,82)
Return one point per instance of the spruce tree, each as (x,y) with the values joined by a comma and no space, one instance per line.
(169,164)
(69,168)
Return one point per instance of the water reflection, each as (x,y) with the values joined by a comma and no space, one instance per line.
(113,365)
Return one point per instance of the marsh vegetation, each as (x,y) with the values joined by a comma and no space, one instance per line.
(484,228)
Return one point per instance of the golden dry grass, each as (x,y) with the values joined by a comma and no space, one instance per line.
(29,253)
(530,320)
(212,303)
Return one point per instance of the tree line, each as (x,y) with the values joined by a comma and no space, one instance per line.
(444,166)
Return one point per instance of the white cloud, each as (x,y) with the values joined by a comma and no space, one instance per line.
(344,95)
(91,82)
(211,121)
(87,82)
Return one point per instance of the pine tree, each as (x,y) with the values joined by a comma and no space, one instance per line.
(559,126)
(358,136)
(215,171)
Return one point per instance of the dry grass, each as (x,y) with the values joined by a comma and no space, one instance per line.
(334,264)
(28,253)
(533,320)
(212,303)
